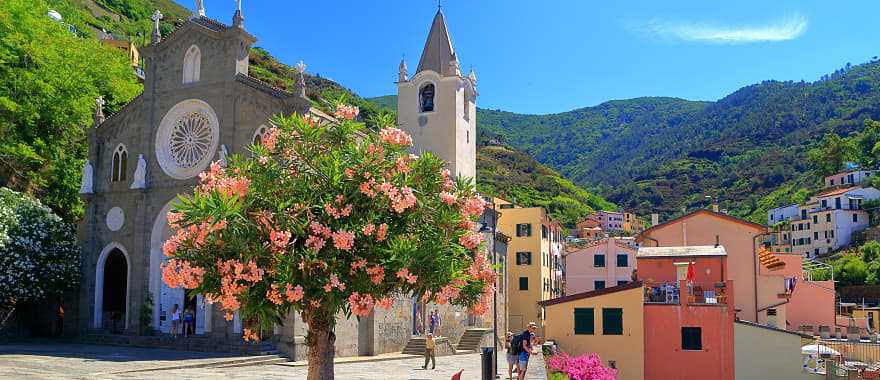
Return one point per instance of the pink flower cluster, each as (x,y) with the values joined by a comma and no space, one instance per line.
(361,305)
(380,231)
(334,283)
(280,239)
(470,240)
(270,138)
(273,295)
(401,199)
(215,179)
(294,294)
(448,183)
(233,273)
(484,303)
(250,335)
(377,274)
(180,274)
(195,234)
(449,292)
(368,188)
(395,136)
(338,212)
(473,206)
(481,269)
(447,198)
(346,111)
(321,233)
(385,303)
(402,163)
(343,240)
(584,367)
(404,274)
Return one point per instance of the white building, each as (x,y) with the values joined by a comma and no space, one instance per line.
(829,219)
(437,106)
(779,214)
(851,177)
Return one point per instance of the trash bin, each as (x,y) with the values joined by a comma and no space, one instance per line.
(488,363)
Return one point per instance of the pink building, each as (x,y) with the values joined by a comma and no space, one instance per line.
(600,264)
(808,303)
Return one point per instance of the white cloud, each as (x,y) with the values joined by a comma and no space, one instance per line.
(786,29)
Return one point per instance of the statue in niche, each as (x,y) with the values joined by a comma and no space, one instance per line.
(86,182)
(223,154)
(140,174)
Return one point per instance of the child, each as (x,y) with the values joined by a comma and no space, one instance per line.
(189,322)
(429,352)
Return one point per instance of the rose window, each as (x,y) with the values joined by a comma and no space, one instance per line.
(191,139)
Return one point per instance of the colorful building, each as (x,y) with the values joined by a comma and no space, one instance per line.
(600,264)
(740,239)
(608,220)
(829,219)
(689,321)
(608,322)
(534,257)
(632,223)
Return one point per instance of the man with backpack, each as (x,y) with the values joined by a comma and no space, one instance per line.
(522,347)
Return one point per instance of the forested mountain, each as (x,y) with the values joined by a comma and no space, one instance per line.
(661,154)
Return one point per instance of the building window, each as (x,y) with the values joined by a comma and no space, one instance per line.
(815,219)
(598,284)
(192,63)
(119,164)
(837,203)
(543,231)
(828,217)
(832,182)
(691,338)
(523,258)
(584,321)
(622,260)
(612,321)
(816,235)
(524,229)
(426,98)
(599,261)
(825,201)
(855,217)
(523,283)
(622,282)
(831,234)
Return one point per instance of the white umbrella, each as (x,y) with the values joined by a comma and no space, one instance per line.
(818,349)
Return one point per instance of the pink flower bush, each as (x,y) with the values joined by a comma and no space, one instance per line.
(328,218)
(584,367)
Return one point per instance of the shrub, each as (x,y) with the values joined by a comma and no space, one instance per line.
(584,367)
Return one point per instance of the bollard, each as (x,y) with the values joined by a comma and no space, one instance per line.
(487,358)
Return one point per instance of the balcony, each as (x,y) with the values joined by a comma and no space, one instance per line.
(669,293)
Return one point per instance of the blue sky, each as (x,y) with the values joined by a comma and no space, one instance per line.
(553,56)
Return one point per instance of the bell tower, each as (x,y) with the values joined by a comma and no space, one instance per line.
(437,105)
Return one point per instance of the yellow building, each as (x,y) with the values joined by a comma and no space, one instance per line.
(632,223)
(608,322)
(534,255)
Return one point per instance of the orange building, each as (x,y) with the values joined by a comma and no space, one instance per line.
(688,324)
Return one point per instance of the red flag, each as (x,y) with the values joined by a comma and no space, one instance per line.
(691,276)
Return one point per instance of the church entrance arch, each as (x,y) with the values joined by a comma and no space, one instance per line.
(112,274)
(165,297)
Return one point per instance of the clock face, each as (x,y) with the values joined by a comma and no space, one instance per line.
(187,139)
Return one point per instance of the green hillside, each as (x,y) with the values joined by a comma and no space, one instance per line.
(517,177)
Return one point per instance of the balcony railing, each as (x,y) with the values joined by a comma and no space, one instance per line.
(669,293)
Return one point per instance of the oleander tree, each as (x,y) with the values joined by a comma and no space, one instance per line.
(39,256)
(328,217)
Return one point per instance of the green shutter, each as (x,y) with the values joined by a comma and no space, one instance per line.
(583,321)
(612,321)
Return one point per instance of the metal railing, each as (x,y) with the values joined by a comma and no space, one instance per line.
(662,293)
(707,293)
(845,359)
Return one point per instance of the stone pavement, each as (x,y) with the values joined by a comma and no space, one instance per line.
(78,361)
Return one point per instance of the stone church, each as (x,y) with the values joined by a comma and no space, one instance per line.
(198,105)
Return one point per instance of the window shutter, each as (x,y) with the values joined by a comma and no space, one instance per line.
(612,321)
(583,321)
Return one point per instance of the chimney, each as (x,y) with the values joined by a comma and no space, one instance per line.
(655,219)
(717,241)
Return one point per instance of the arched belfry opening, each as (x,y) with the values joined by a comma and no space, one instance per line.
(426,98)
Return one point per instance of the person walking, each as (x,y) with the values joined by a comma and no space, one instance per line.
(511,355)
(175,320)
(429,352)
(525,349)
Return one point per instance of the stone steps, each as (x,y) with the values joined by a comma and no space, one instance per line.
(470,341)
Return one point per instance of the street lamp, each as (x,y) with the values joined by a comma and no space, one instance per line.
(484,229)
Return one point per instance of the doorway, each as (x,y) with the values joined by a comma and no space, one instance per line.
(114,292)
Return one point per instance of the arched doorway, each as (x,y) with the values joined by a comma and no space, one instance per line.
(112,273)
(165,297)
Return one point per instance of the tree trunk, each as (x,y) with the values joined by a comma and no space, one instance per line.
(8,314)
(322,347)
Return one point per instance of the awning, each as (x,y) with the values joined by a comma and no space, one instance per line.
(818,349)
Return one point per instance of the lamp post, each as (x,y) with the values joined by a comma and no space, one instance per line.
(485,228)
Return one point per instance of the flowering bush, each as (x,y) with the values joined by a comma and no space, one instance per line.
(38,251)
(584,367)
(325,217)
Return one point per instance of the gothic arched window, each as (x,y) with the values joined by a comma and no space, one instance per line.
(119,164)
(192,63)
(426,98)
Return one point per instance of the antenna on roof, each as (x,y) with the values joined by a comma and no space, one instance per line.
(439,6)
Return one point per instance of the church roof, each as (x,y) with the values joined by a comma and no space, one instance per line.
(438,50)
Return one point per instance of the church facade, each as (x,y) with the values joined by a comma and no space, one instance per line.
(199,105)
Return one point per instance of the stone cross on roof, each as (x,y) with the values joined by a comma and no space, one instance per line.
(157,36)
(238,5)
(200,9)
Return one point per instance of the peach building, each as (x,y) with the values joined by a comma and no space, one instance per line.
(757,295)
(600,264)
(808,302)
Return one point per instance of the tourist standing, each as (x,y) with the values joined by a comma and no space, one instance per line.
(525,351)
(189,327)
(429,352)
(511,355)
(435,322)
(175,320)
